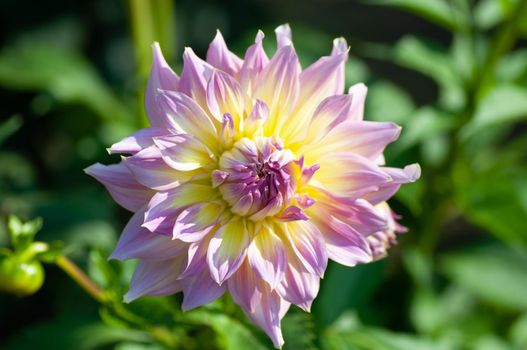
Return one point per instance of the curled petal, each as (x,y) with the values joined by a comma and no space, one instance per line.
(409,174)
(137,141)
(257,118)
(187,117)
(224,95)
(349,175)
(196,221)
(283,35)
(154,278)
(183,152)
(267,257)
(227,250)
(149,168)
(299,286)
(161,77)
(278,86)
(254,62)
(164,207)
(194,77)
(292,213)
(308,244)
(358,93)
(322,79)
(200,289)
(137,242)
(220,57)
(121,184)
(261,304)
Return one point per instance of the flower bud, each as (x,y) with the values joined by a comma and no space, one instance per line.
(22,278)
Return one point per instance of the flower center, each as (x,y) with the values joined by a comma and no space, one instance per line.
(255,177)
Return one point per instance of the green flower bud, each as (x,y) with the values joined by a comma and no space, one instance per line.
(18,277)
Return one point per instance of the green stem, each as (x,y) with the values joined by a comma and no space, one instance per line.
(72,270)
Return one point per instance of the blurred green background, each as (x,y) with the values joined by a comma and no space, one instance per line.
(453,73)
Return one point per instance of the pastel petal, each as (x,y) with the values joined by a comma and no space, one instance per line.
(267,257)
(348,175)
(261,304)
(196,221)
(154,278)
(164,207)
(224,95)
(299,286)
(220,57)
(137,242)
(344,244)
(308,244)
(135,142)
(161,77)
(200,289)
(256,119)
(183,152)
(278,86)
(358,92)
(149,168)
(121,184)
(410,173)
(283,35)
(322,79)
(196,259)
(227,249)
(254,62)
(187,117)
(194,77)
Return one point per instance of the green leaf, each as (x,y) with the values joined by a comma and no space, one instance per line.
(496,275)
(347,333)
(496,200)
(233,334)
(299,331)
(346,288)
(504,104)
(518,332)
(21,233)
(417,55)
(67,76)
(489,13)
(388,102)
(440,12)
(9,127)
(512,67)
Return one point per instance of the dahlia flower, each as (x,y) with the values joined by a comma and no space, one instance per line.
(251,176)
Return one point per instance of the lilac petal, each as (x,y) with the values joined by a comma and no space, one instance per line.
(283,35)
(227,250)
(278,86)
(154,278)
(200,289)
(308,244)
(349,175)
(322,79)
(299,286)
(137,242)
(224,95)
(187,117)
(330,112)
(194,77)
(196,259)
(255,61)
(164,207)
(257,118)
(267,257)
(161,77)
(220,57)
(409,174)
(121,184)
(196,221)
(261,304)
(137,141)
(292,213)
(149,168)
(358,93)
(183,152)
(344,244)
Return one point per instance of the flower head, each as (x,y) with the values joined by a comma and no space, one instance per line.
(252,175)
